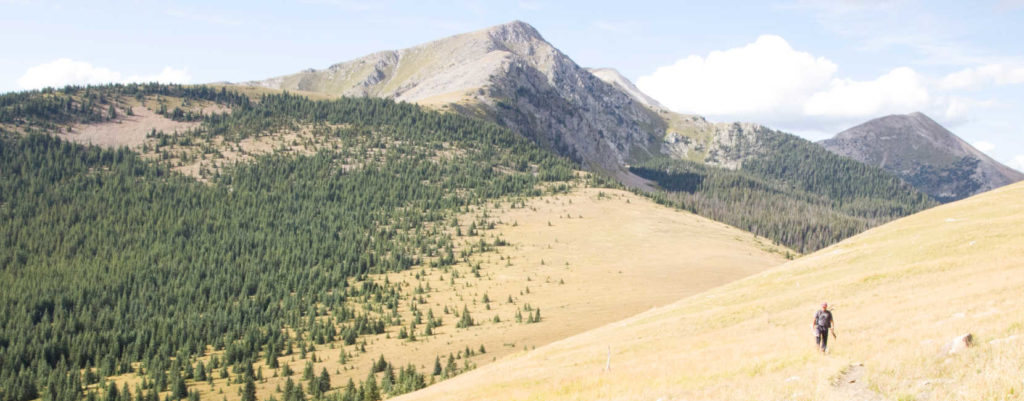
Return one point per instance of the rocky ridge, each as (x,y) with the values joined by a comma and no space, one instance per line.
(510,74)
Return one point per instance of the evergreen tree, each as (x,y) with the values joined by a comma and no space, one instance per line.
(370,389)
(325,381)
(249,389)
(465,320)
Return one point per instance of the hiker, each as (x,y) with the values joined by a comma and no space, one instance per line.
(822,323)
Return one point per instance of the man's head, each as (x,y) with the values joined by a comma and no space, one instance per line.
(824,305)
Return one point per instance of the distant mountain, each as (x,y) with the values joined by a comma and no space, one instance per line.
(738,173)
(616,79)
(925,154)
(509,74)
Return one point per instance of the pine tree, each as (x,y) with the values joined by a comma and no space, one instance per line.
(465,320)
(370,390)
(112,393)
(249,390)
(307,373)
(325,381)
(200,371)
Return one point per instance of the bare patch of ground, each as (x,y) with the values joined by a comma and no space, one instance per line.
(125,130)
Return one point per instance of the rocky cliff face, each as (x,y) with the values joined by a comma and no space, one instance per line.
(510,74)
(925,154)
(718,144)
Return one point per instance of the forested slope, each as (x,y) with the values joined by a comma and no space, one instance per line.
(109,258)
(796,193)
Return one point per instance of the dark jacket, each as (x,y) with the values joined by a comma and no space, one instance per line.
(823,320)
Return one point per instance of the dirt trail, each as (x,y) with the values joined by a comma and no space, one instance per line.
(851,385)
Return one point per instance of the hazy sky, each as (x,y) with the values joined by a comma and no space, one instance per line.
(812,68)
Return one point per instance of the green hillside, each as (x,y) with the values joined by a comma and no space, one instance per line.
(794,192)
(109,258)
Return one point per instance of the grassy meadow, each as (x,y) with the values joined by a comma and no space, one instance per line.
(900,292)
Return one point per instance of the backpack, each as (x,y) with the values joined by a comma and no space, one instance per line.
(823,319)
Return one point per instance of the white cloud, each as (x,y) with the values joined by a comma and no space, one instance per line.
(770,82)
(764,77)
(990,74)
(984,146)
(1017,162)
(899,91)
(65,71)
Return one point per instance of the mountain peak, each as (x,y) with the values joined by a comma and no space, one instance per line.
(510,73)
(925,154)
(515,31)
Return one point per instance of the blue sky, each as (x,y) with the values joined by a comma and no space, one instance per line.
(808,67)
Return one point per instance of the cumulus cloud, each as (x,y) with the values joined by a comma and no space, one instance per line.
(65,71)
(989,74)
(899,91)
(770,82)
(767,76)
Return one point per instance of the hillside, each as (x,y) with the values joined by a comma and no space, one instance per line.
(111,258)
(797,193)
(900,292)
(286,232)
(925,154)
(559,256)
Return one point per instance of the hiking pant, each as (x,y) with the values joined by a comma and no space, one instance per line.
(822,338)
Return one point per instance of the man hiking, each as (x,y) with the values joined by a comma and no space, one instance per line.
(822,323)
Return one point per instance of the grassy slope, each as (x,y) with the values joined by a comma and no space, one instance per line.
(617,255)
(900,292)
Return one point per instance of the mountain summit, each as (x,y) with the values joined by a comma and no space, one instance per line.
(507,73)
(925,154)
(510,75)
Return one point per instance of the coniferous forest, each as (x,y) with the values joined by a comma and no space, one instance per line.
(110,258)
(799,194)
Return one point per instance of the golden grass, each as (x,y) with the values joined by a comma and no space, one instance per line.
(606,254)
(900,292)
